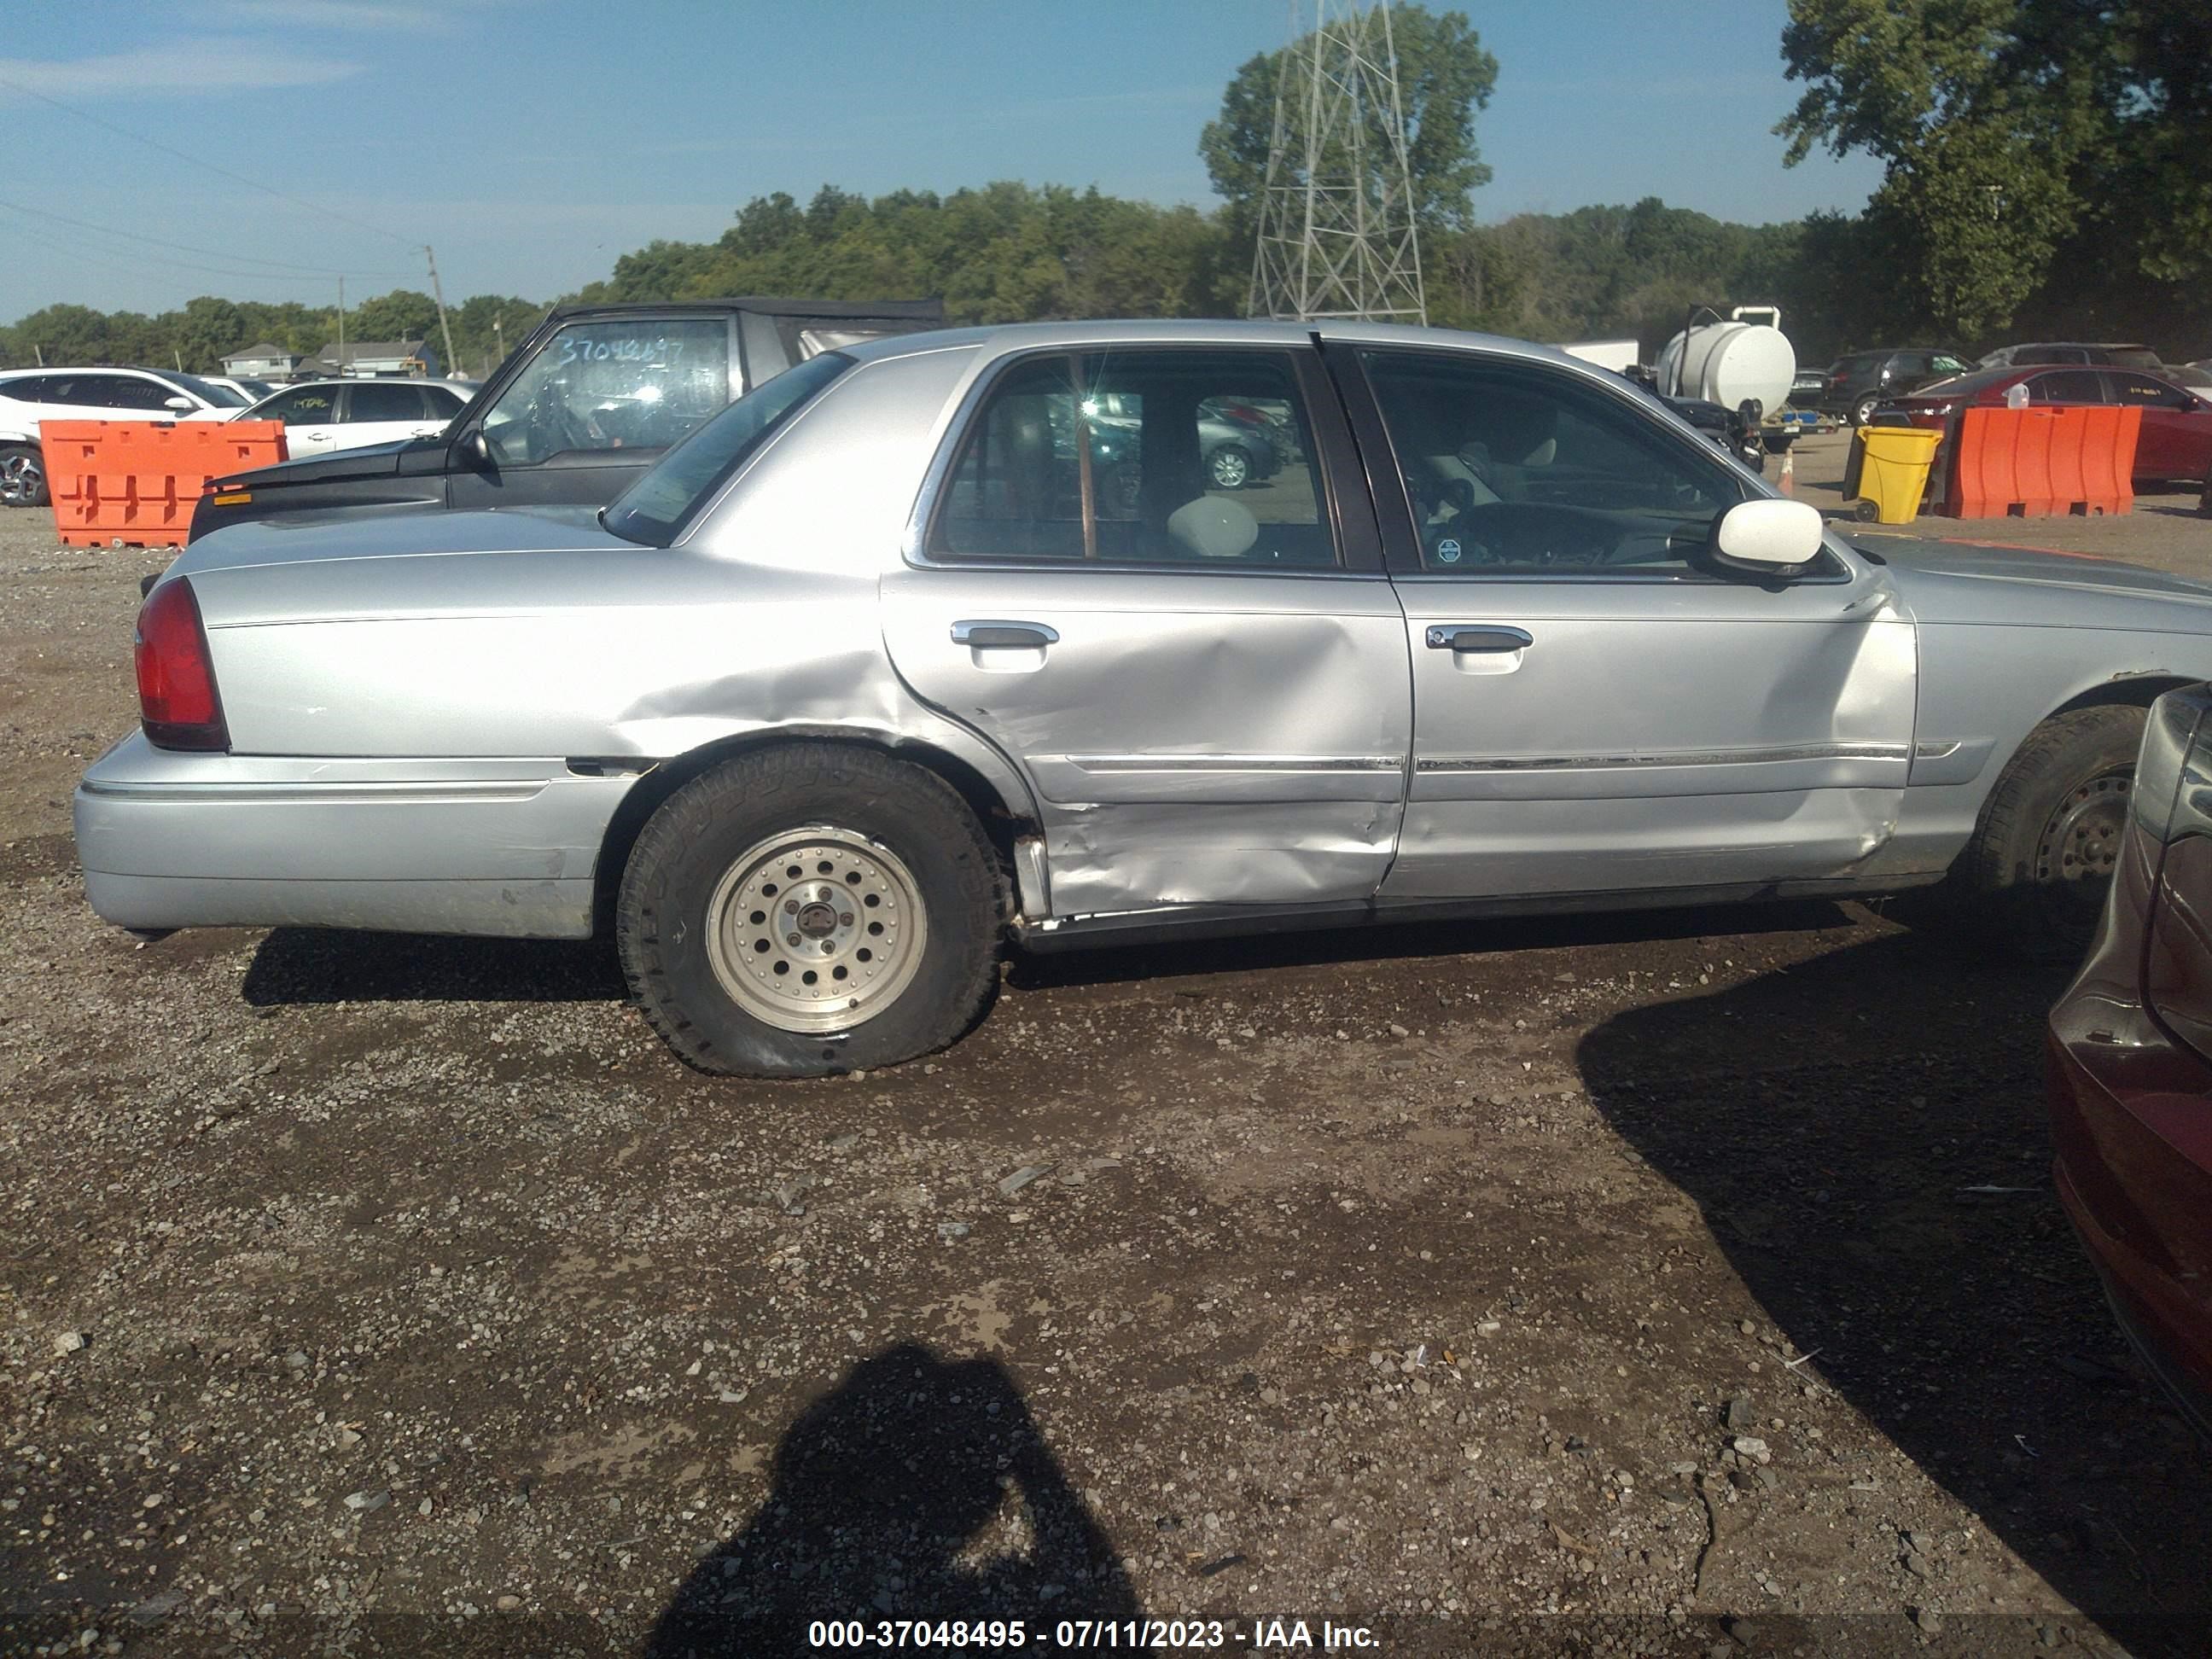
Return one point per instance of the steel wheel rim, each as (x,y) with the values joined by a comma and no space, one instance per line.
(842,942)
(1230,469)
(19,479)
(2081,839)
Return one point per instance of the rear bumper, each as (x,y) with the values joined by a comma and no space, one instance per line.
(450,846)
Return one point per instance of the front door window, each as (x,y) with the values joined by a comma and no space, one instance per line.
(1510,471)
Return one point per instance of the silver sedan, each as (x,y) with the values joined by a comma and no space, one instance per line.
(913,653)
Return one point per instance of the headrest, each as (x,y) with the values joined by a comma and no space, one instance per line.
(1213,528)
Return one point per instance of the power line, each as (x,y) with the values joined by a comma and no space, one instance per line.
(235,177)
(186,247)
(119,260)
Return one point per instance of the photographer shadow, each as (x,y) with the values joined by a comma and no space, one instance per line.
(888,1498)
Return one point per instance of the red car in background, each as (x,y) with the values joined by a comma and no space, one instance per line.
(2176,440)
(2131,1064)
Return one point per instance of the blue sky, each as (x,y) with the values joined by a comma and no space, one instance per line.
(533,141)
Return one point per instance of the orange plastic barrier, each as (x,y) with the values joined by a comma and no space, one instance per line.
(2033,462)
(136,482)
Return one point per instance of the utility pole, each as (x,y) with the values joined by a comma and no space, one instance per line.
(439,295)
(1337,233)
(341,367)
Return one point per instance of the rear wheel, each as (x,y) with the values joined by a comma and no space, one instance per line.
(1230,467)
(2051,829)
(808,909)
(22,477)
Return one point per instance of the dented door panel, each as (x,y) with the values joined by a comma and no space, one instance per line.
(1190,737)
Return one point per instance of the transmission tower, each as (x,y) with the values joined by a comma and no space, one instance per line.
(1337,236)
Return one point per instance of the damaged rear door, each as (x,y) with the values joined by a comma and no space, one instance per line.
(1596,709)
(1203,672)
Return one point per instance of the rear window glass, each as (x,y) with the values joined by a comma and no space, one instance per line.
(2134,356)
(655,509)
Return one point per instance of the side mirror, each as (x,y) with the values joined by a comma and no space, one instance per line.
(475,448)
(1766,538)
(181,403)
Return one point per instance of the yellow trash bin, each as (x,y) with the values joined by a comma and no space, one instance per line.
(1893,471)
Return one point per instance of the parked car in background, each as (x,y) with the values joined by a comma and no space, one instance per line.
(323,416)
(250,390)
(577,411)
(2175,442)
(871,676)
(2131,1064)
(1859,384)
(2070,351)
(1237,453)
(30,396)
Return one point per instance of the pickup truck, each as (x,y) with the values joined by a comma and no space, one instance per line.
(590,400)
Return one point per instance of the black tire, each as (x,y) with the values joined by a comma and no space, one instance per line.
(1778,443)
(906,820)
(22,476)
(2041,859)
(1864,511)
(1229,467)
(1862,411)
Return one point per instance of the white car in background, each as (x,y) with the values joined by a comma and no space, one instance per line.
(30,396)
(252,390)
(322,416)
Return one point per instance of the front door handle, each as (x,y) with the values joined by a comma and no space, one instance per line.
(1004,636)
(1460,637)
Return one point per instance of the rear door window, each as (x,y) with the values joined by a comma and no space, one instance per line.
(2067,386)
(612,383)
(384,400)
(1193,458)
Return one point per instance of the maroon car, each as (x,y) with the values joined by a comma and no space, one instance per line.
(2176,440)
(2130,1058)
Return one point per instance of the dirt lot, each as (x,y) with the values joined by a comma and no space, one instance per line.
(1685,1284)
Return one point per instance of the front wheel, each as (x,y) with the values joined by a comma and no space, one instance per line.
(1862,411)
(1230,467)
(808,909)
(22,477)
(2051,829)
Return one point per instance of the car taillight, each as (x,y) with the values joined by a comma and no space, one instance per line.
(176,699)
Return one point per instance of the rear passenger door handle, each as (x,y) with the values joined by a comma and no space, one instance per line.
(1456,636)
(1004,636)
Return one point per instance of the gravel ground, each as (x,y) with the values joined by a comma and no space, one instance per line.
(1685,1284)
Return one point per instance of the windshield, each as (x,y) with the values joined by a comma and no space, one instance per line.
(221,397)
(654,509)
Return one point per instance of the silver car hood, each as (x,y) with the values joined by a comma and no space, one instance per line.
(1960,582)
(351,533)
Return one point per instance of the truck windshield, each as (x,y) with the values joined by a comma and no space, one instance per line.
(660,505)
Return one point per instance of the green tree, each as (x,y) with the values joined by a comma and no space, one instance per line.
(1444,76)
(402,314)
(2011,128)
